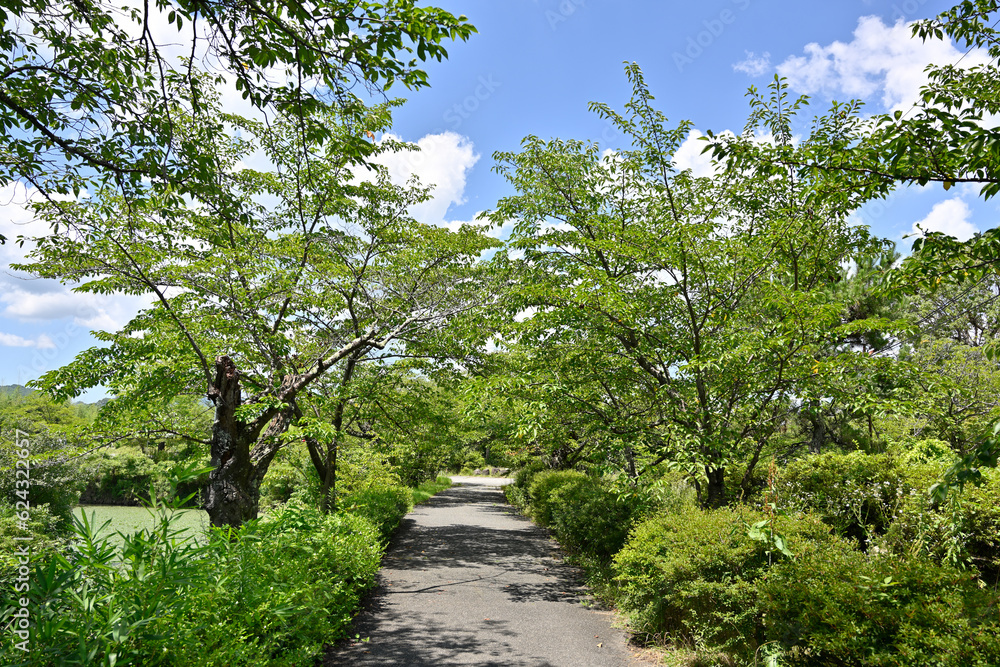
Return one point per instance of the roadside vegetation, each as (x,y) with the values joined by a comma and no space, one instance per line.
(273,591)
(768,437)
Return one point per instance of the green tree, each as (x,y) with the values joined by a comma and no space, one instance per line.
(90,98)
(266,283)
(947,137)
(691,309)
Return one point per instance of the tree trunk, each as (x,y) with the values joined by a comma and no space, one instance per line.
(231,497)
(716,486)
(328,497)
(818,428)
(630,464)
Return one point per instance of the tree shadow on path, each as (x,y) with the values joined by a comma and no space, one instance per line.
(467,581)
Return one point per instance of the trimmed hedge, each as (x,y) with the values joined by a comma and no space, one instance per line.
(541,488)
(588,518)
(715,583)
(384,507)
(690,577)
(835,606)
(517,493)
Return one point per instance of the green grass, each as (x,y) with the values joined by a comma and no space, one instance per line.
(429,488)
(133,519)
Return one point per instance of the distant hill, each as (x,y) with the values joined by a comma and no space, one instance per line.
(15,389)
(21,390)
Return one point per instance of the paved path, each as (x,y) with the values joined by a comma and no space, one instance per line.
(467,581)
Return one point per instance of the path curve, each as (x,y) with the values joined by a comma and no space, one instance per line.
(468,581)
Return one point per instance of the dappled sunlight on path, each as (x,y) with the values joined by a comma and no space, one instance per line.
(467,581)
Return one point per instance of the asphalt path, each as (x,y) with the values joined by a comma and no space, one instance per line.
(468,581)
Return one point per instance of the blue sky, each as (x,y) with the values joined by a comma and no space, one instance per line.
(532,69)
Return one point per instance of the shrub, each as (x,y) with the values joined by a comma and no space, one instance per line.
(124,476)
(272,592)
(656,492)
(517,492)
(383,507)
(964,532)
(835,606)
(416,461)
(857,494)
(690,577)
(291,581)
(542,486)
(588,518)
(97,603)
(291,473)
(47,533)
(466,459)
(55,477)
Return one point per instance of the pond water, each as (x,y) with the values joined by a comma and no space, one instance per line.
(134,519)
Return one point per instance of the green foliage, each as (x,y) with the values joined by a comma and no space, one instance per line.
(857,494)
(658,314)
(103,64)
(287,584)
(290,473)
(97,604)
(517,493)
(540,492)
(55,477)
(835,606)
(655,492)
(589,518)
(426,490)
(270,593)
(124,475)
(690,577)
(466,459)
(962,532)
(384,507)
(47,533)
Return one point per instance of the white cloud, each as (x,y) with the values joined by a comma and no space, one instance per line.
(880,59)
(950,217)
(754,65)
(444,161)
(12,340)
(689,156)
(25,298)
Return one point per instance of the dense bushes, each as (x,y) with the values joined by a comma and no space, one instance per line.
(541,488)
(54,475)
(270,593)
(517,493)
(691,576)
(126,475)
(383,507)
(835,606)
(857,494)
(588,518)
(963,532)
(877,574)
